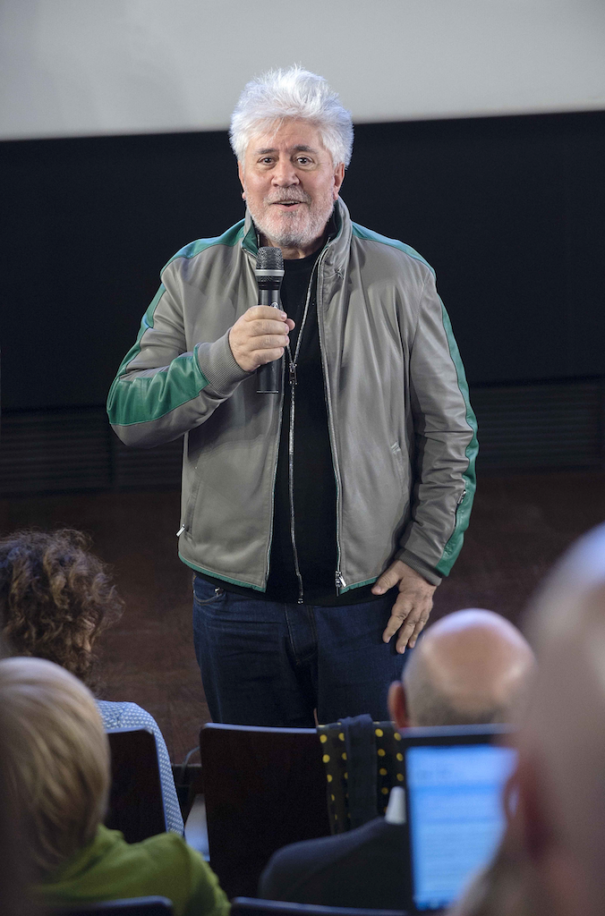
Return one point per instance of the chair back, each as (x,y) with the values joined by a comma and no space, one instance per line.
(135,906)
(248,906)
(264,788)
(363,761)
(136,805)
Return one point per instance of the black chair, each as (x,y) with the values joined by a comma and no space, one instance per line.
(263,788)
(136,806)
(251,906)
(135,906)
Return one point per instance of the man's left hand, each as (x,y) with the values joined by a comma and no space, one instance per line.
(413,606)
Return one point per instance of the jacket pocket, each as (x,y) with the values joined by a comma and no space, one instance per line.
(401,466)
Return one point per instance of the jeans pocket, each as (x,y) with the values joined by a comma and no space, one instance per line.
(205,593)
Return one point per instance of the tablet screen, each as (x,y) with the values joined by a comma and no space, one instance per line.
(455,815)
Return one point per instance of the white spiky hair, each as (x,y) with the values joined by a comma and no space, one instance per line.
(289,94)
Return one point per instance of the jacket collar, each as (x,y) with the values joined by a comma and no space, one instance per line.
(338,246)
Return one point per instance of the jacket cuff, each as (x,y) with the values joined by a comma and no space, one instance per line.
(219,367)
(427,572)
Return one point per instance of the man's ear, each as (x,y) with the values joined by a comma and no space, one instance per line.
(397,705)
(240,172)
(339,176)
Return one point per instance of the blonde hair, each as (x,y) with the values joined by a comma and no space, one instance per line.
(56,758)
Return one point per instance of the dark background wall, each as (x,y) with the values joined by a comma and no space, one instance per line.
(508,210)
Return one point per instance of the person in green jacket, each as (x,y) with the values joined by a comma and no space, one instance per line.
(56,755)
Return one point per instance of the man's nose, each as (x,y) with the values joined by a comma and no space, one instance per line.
(284,174)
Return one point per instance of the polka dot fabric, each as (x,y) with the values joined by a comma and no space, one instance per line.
(389,769)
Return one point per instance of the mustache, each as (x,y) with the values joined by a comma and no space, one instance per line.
(298,196)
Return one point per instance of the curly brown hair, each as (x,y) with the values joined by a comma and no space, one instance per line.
(56,597)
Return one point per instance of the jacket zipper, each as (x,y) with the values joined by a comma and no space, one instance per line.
(292,371)
(281,410)
(339,578)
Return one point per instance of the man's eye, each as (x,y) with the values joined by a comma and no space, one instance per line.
(303,160)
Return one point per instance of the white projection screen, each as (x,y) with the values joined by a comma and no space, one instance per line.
(96,67)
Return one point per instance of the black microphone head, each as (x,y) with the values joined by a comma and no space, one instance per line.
(269,259)
(269,268)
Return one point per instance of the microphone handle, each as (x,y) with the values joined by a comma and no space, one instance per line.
(269,375)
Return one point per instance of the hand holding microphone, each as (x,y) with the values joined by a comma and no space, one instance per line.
(260,335)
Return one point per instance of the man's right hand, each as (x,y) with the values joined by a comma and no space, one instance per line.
(259,336)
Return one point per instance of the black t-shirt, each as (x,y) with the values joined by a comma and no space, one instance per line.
(313,480)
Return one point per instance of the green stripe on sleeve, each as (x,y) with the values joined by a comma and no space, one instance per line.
(144,398)
(463,512)
(454,544)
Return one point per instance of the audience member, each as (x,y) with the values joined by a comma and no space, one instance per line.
(552,858)
(56,598)
(470,667)
(57,761)
(15,899)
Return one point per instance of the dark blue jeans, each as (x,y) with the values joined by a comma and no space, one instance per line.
(266,663)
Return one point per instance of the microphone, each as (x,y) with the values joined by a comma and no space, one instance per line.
(269,274)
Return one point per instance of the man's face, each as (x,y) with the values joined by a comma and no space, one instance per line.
(290,185)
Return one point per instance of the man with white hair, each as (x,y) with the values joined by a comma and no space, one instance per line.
(318,521)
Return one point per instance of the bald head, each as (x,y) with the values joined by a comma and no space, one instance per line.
(471,667)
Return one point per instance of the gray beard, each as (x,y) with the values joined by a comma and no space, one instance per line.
(295,236)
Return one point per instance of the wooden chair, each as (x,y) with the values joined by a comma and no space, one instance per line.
(248,906)
(264,788)
(136,806)
(135,906)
